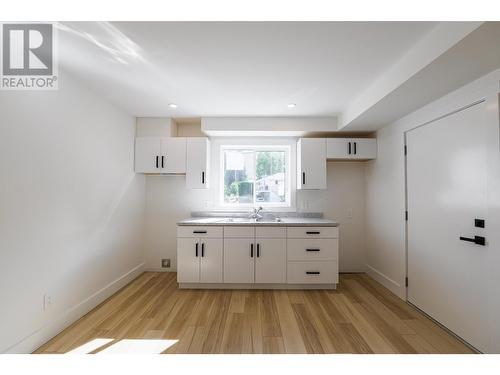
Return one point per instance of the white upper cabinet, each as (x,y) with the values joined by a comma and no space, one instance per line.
(351,148)
(173,155)
(311,163)
(147,155)
(198,160)
(160,155)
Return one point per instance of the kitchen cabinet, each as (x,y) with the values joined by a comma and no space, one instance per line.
(254,255)
(160,155)
(197,163)
(351,148)
(311,163)
(199,255)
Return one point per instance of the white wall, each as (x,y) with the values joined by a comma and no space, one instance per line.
(168,201)
(385,184)
(72,209)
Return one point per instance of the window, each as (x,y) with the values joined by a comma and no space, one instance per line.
(255,176)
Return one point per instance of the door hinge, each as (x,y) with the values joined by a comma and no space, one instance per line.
(406,150)
(406,282)
(406,215)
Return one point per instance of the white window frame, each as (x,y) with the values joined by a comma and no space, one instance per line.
(288,187)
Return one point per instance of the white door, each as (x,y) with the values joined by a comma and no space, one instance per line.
(188,260)
(447,183)
(197,163)
(173,155)
(147,155)
(211,260)
(311,163)
(270,261)
(239,256)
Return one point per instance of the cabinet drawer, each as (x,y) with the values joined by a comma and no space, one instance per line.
(270,232)
(323,272)
(312,232)
(312,249)
(187,231)
(239,232)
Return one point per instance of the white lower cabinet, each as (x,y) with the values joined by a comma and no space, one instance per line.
(270,261)
(250,259)
(257,255)
(239,260)
(199,257)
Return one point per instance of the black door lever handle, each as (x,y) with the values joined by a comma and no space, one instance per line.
(478,240)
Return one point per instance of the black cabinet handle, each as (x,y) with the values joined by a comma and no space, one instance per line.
(355,152)
(478,240)
(349,148)
(203,177)
(312,250)
(163,161)
(312,272)
(199,231)
(196,252)
(303,178)
(157,162)
(202,249)
(251,250)
(313,233)
(258,250)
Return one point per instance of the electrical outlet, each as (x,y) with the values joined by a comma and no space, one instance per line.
(47,302)
(165,263)
(349,213)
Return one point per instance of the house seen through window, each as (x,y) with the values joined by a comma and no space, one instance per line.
(255,176)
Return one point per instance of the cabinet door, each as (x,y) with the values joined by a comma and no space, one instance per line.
(197,163)
(311,163)
(188,260)
(239,260)
(211,260)
(337,148)
(147,155)
(364,148)
(270,261)
(351,148)
(173,152)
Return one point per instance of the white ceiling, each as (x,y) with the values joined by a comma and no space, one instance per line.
(234,69)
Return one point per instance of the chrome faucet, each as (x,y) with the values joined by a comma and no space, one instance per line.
(255,214)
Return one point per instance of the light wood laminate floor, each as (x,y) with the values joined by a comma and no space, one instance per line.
(361,316)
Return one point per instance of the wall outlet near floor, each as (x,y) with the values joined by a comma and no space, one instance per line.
(47,302)
(165,263)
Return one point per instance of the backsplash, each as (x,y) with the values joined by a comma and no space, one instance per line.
(265,214)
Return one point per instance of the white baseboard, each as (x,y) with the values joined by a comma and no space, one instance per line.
(386,281)
(44,334)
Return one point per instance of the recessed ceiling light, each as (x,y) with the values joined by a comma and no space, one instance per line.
(292,105)
(173,105)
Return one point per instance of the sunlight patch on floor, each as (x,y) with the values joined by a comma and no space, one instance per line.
(125,346)
(90,346)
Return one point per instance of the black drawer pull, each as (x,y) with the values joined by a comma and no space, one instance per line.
(202,250)
(157,158)
(313,233)
(312,249)
(312,272)
(303,178)
(196,252)
(251,250)
(349,148)
(200,231)
(203,177)
(355,152)
(163,161)
(258,250)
